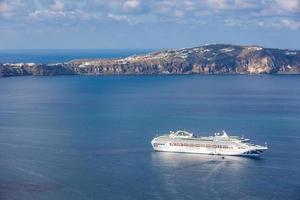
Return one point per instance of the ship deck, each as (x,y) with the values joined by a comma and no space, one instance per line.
(201,138)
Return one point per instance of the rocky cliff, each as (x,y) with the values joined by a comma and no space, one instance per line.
(208,59)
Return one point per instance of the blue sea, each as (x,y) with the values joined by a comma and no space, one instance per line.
(49,56)
(88,137)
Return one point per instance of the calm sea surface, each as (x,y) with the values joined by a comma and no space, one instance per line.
(79,137)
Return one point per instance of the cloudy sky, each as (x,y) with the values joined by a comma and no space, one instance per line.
(63,24)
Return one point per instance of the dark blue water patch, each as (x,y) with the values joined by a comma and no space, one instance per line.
(80,137)
(64,55)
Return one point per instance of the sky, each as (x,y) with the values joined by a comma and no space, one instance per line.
(147,24)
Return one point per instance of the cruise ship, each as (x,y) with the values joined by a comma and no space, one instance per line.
(218,144)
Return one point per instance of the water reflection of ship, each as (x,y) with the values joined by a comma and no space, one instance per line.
(180,160)
(186,175)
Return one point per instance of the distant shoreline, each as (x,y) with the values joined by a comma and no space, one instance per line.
(145,75)
(216,59)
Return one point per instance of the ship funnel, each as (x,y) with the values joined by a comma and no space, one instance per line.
(224,134)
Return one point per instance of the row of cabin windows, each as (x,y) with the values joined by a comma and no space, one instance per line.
(201,145)
(158,144)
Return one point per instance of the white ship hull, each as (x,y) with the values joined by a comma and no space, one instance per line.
(215,146)
(210,151)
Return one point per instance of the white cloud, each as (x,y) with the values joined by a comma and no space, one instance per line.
(288,5)
(189,5)
(57,5)
(131,4)
(217,4)
(39,14)
(178,13)
(245,4)
(118,17)
(284,13)
(284,23)
(232,22)
(291,24)
(5,9)
(280,8)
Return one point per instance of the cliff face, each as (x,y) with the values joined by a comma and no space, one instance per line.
(209,59)
(23,69)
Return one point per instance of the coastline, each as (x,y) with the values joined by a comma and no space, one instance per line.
(216,59)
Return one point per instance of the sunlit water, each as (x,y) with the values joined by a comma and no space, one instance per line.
(77,137)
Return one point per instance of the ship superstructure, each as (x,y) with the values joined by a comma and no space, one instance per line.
(218,144)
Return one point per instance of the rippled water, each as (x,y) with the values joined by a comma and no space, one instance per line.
(80,137)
